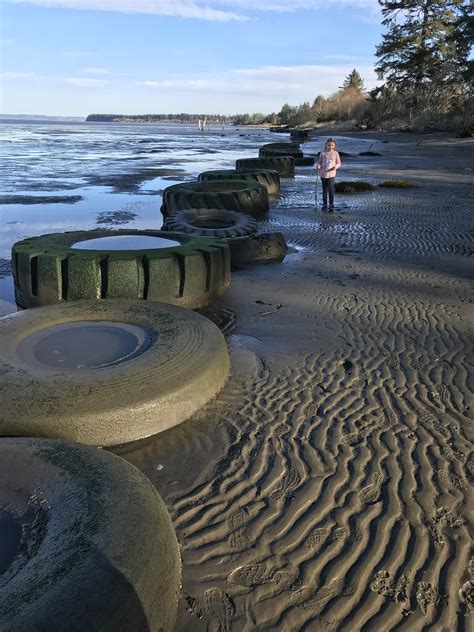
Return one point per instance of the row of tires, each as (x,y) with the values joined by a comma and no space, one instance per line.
(105,373)
(209,224)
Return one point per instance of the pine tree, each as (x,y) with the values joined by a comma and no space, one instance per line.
(353,81)
(418,55)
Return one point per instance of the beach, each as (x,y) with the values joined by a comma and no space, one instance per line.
(329,484)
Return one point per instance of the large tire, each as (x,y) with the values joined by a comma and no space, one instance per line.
(48,270)
(266,247)
(299,135)
(287,146)
(305,161)
(176,361)
(243,196)
(96,550)
(283,165)
(211,222)
(268,177)
(270,153)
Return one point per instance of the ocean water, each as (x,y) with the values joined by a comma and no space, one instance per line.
(58,177)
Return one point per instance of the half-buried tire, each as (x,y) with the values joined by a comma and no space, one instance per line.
(283,165)
(106,372)
(305,161)
(89,542)
(266,247)
(290,146)
(211,222)
(243,196)
(272,152)
(268,177)
(190,271)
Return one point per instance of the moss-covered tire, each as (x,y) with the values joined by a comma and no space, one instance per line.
(299,135)
(49,270)
(280,149)
(283,165)
(243,196)
(266,247)
(211,222)
(305,161)
(94,547)
(290,146)
(175,361)
(268,177)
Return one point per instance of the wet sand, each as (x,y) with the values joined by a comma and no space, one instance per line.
(328,486)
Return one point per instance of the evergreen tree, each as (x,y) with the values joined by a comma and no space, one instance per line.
(353,81)
(418,55)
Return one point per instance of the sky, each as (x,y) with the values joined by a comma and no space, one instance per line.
(77,57)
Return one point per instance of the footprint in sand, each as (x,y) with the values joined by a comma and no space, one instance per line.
(290,482)
(428,419)
(220,608)
(336,587)
(237,519)
(442,393)
(466,592)
(238,540)
(250,576)
(427,595)
(442,523)
(383,584)
(360,381)
(451,480)
(356,437)
(371,493)
(316,536)
(391,360)
(193,607)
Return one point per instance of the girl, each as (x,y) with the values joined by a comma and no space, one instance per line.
(329,162)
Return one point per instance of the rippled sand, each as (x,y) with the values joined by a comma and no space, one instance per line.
(328,485)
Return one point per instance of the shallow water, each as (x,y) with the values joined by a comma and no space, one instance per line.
(126,242)
(119,171)
(10,538)
(83,345)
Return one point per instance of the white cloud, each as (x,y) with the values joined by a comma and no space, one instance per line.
(294,5)
(83,82)
(203,9)
(180,8)
(51,80)
(95,71)
(279,83)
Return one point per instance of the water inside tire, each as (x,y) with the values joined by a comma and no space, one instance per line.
(83,345)
(126,242)
(11,531)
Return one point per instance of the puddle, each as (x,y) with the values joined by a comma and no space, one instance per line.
(92,345)
(126,242)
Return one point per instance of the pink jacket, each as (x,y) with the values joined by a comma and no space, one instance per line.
(328,163)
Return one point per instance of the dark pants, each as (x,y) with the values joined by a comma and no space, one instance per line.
(328,185)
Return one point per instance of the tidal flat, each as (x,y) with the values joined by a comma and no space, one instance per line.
(329,484)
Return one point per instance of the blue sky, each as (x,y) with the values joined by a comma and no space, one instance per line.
(75,57)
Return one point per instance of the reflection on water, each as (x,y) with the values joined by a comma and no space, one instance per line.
(92,345)
(126,242)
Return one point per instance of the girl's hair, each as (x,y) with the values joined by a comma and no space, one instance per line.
(330,140)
